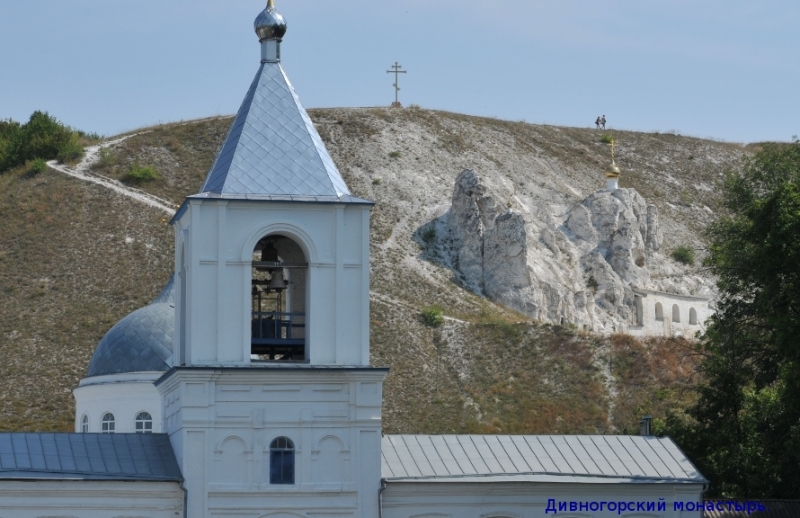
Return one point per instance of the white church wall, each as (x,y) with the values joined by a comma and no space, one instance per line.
(219,246)
(666,314)
(122,395)
(90,499)
(222,424)
(530,499)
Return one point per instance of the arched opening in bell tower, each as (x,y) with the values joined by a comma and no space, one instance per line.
(279,293)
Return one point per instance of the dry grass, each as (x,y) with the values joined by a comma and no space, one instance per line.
(74,259)
(653,377)
(181,154)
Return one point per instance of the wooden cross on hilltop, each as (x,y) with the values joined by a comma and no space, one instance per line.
(396,70)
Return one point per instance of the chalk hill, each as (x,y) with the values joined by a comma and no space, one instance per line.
(75,258)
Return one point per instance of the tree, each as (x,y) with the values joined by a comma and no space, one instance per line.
(43,136)
(10,144)
(744,430)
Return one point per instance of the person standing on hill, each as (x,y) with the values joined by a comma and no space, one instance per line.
(603,121)
(597,123)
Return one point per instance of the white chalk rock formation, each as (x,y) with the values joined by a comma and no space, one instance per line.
(579,267)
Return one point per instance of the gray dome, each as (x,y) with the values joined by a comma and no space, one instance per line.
(140,342)
(270,24)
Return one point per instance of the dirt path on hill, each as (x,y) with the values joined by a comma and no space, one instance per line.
(92,154)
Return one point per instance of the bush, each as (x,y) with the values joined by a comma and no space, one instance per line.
(138,174)
(70,151)
(43,136)
(93,136)
(377,181)
(394,154)
(10,144)
(433,316)
(683,254)
(429,234)
(607,138)
(106,158)
(38,165)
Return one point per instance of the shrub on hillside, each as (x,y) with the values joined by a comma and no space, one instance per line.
(429,234)
(70,151)
(683,254)
(607,138)
(433,316)
(106,158)
(138,174)
(37,166)
(43,136)
(10,140)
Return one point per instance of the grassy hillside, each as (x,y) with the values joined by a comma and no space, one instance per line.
(75,258)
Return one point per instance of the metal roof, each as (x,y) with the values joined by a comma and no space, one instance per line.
(535,458)
(272,147)
(140,342)
(87,456)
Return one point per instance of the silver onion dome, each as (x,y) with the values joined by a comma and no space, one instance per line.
(270,24)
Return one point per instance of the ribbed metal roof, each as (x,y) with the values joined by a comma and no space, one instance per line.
(272,147)
(87,456)
(553,458)
(140,342)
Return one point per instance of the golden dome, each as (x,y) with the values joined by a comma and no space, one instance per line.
(612,170)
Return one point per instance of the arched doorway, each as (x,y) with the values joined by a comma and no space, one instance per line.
(279,292)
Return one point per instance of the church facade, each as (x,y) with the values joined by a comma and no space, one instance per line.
(245,389)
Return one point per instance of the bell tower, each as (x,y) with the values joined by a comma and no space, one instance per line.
(272,405)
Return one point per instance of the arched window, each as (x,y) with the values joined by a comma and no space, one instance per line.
(144,423)
(85,424)
(659,312)
(281,461)
(278,319)
(676,313)
(692,316)
(108,423)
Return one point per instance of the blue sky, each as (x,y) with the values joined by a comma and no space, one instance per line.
(725,69)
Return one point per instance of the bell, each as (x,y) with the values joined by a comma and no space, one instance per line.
(269,254)
(276,282)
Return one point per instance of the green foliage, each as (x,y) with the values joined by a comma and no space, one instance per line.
(43,136)
(106,158)
(93,136)
(429,234)
(744,430)
(10,143)
(140,174)
(38,165)
(377,181)
(394,154)
(607,138)
(70,151)
(433,316)
(684,255)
